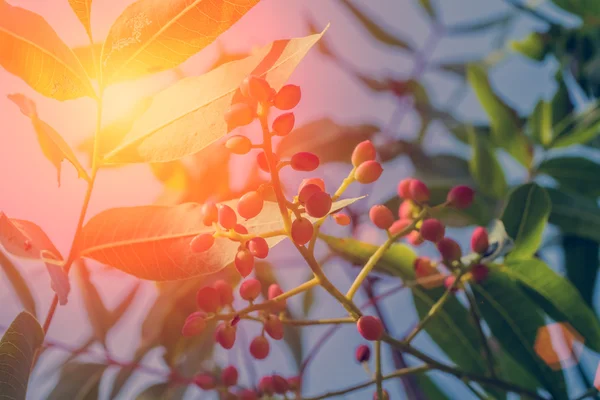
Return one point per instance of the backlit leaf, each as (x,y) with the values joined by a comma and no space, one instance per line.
(540,123)
(188,116)
(18,283)
(89,57)
(96,310)
(576,174)
(153,36)
(53,145)
(575,215)
(31,50)
(17,349)
(485,168)
(78,381)
(581,264)
(83,10)
(578,128)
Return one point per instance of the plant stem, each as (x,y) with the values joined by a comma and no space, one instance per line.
(378,376)
(486,347)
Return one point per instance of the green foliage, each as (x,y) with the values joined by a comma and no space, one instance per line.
(575,215)
(485,167)
(582,262)
(576,174)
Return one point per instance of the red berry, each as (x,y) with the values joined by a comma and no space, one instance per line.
(449,282)
(318,205)
(288,97)
(312,181)
(241,229)
(273,292)
(247,394)
(449,249)
(294,383)
(460,197)
(194,324)
(381,216)
(266,385)
(404,189)
(202,242)
(415,238)
(274,327)
(480,272)
(210,213)
(284,124)
(419,191)
(370,327)
(304,161)
(244,262)
(225,292)
(364,151)
(258,247)
(302,231)
(363,353)
(307,191)
(257,89)
(225,335)
(424,265)
(239,144)
(205,382)
(229,376)
(432,230)
(479,240)
(342,219)
(259,347)
(386,395)
(250,205)
(263,162)
(239,114)
(208,299)
(250,289)
(280,384)
(406,210)
(368,172)
(399,226)
(227,217)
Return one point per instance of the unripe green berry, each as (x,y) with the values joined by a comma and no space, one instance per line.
(368,172)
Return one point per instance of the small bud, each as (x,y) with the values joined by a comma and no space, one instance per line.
(363,353)
(480,272)
(274,327)
(247,394)
(250,205)
(227,217)
(288,97)
(342,219)
(307,191)
(415,238)
(265,385)
(370,327)
(225,335)
(225,292)
(399,226)
(318,205)
(364,151)
(386,395)
(202,242)
(229,376)
(239,144)
(432,230)
(250,289)
(259,347)
(284,124)
(294,383)
(449,249)
(302,231)
(259,247)
(257,89)
(381,216)
(207,299)
(205,382)
(449,282)
(239,114)
(194,324)
(210,213)
(406,210)
(404,189)
(273,292)
(304,161)
(460,197)
(419,191)
(280,384)
(244,262)
(479,240)
(368,172)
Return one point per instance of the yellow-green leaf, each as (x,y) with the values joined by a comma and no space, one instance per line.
(188,116)
(540,123)
(83,10)
(153,36)
(485,168)
(31,50)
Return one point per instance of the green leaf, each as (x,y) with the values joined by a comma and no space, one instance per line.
(557,297)
(506,128)
(375,29)
(189,115)
(515,322)
(485,168)
(575,215)
(96,310)
(525,217)
(540,123)
(18,283)
(452,328)
(470,28)
(576,174)
(511,370)
(578,128)
(532,46)
(17,349)
(589,10)
(430,389)
(78,381)
(581,264)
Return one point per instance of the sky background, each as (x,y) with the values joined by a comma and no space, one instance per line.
(28,187)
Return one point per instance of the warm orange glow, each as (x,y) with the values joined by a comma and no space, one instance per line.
(559,345)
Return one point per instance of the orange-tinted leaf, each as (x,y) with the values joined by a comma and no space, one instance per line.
(53,145)
(83,10)
(153,242)
(188,116)
(89,57)
(153,36)
(31,50)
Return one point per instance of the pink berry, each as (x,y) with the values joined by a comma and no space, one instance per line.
(302,231)
(247,394)
(202,242)
(258,247)
(460,197)
(419,191)
(406,210)
(225,335)
(244,262)
(449,283)
(273,292)
(250,205)
(239,144)
(225,292)
(415,238)
(381,216)
(318,205)
(364,151)
(239,114)
(250,289)
(288,97)
(208,299)
(194,324)
(263,162)
(304,161)
(363,353)
(312,181)
(479,240)
(342,219)
(265,385)
(229,376)
(479,272)
(370,327)
(368,172)
(274,327)
(241,229)
(404,189)
(280,384)
(294,383)
(210,213)
(449,249)
(307,191)
(400,226)
(432,230)
(205,382)
(259,347)
(284,124)
(227,217)
(257,89)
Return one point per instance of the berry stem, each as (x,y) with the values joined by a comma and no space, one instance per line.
(474,310)
(378,376)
